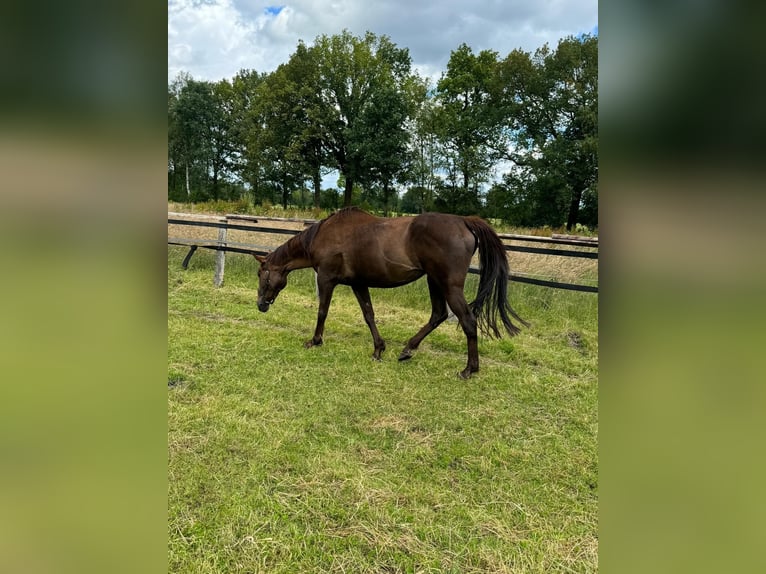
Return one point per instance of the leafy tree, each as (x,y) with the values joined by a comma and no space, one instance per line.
(550,105)
(246,128)
(425,151)
(244,121)
(331,199)
(175,149)
(280,134)
(200,138)
(190,106)
(221,137)
(412,200)
(467,125)
(382,141)
(352,104)
(292,92)
(356,75)
(308,108)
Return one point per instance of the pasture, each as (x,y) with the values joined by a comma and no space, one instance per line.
(285,459)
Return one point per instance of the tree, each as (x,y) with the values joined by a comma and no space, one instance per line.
(200,137)
(382,141)
(195,112)
(277,138)
(246,127)
(467,125)
(355,74)
(425,152)
(529,201)
(221,137)
(175,148)
(550,106)
(300,97)
(190,106)
(352,104)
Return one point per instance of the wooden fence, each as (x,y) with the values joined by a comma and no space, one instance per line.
(586,247)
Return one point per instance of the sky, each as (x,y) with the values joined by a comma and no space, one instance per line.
(214,39)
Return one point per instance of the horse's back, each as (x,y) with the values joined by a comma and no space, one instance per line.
(356,246)
(441,237)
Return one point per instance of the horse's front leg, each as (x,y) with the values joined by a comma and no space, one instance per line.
(326,289)
(363,297)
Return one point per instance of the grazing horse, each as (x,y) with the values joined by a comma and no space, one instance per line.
(352,247)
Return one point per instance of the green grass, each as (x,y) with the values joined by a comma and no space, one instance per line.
(282,459)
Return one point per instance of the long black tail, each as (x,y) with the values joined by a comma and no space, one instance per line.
(492,294)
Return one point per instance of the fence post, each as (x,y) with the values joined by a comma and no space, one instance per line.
(220,255)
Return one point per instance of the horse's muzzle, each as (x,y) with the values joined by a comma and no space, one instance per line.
(263,306)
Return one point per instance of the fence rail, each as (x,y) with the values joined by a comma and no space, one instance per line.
(224,223)
(556,239)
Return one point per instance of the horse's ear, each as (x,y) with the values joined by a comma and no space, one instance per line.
(260,258)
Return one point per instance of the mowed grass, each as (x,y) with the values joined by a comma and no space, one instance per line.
(282,459)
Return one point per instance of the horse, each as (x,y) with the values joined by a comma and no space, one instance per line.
(352,247)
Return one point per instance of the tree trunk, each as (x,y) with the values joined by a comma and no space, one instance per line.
(385,198)
(574,207)
(173,180)
(284,193)
(188,191)
(317,188)
(348,192)
(215,183)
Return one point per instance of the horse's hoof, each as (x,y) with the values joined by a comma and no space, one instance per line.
(465,374)
(377,353)
(406,355)
(310,343)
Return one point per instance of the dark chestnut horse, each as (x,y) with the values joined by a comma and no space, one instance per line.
(354,248)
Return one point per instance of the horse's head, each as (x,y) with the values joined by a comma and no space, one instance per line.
(271,280)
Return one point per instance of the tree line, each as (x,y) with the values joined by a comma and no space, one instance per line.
(512,137)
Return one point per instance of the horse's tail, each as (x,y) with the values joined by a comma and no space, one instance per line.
(492,294)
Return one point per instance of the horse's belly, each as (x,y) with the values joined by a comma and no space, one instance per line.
(395,282)
(376,263)
(385,279)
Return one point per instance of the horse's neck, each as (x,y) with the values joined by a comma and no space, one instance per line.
(296,255)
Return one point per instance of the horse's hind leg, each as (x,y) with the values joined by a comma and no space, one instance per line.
(438,315)
(459,306)
(363,296)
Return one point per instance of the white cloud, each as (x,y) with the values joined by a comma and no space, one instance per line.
(214,39)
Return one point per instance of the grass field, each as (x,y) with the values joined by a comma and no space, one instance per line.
(282,459)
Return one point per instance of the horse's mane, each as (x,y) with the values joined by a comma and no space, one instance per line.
(345,212)
(300,245)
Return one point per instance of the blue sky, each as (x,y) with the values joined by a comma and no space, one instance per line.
(214,39)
